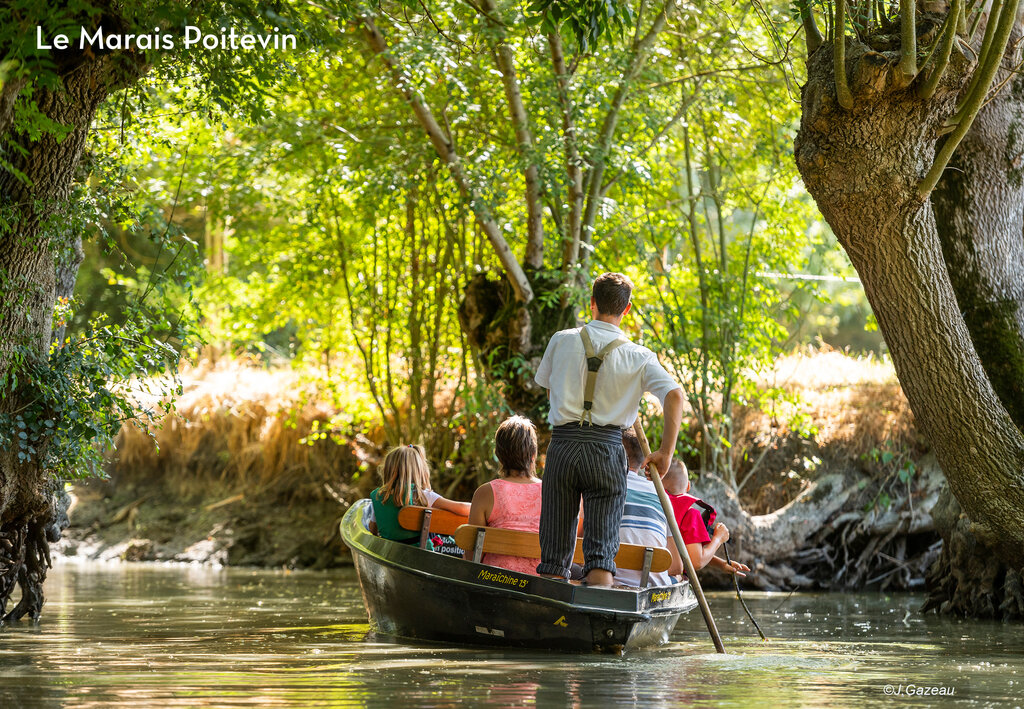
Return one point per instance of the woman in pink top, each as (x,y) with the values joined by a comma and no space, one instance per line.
(511,501)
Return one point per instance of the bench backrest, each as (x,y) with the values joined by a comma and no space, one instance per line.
(441,521)
(527,544)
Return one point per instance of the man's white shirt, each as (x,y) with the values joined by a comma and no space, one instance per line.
(627,372)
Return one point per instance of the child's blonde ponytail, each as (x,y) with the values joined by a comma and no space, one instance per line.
(404,476)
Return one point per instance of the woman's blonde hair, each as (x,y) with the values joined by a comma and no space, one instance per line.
(405,475)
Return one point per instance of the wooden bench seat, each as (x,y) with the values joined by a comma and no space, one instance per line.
(441,521)
(427,521)
(511,542)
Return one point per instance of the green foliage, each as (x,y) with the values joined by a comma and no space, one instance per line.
(335,238)
(76,401)
(708,221)
(70,405)
(227,82)
(586,20)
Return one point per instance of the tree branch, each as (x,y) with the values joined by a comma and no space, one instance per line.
(676,117)
(908,39)
(573,162)
(505,60)
(984,75)
(843,94)
(596,175)
(984,56)
(445,150)
(945,47)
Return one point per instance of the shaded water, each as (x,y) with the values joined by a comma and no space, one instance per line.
(145,635)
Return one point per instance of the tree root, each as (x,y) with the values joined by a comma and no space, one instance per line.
(12,560)
(25,558)
(968,579)
(832,536)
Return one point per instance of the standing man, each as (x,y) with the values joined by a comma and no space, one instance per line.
(595,378)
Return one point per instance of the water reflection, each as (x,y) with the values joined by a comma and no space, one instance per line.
(144,635)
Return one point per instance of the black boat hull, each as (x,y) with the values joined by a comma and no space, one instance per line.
(412,593)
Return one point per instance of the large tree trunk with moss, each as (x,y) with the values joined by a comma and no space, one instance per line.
(979,208)
(863,168)
(39,258)
(979,213)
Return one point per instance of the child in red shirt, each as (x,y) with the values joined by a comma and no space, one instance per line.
(700,545)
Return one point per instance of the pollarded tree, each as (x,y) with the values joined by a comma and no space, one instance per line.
(57,397)
(892,93)
(882,116)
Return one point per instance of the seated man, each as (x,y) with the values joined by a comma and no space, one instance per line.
(700,545)
(643,520)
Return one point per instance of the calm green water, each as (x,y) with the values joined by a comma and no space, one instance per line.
(143,635)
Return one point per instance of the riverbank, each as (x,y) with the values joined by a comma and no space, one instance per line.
(241,478)
(232,477)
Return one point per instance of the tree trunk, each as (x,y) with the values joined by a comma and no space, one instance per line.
(863,167)
(504,334)
(979,212)
(39,258)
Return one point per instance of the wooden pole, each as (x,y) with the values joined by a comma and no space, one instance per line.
(670,516)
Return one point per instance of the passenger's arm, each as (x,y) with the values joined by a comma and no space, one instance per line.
(696,552)
(459,508)
(483,503)
(702,554)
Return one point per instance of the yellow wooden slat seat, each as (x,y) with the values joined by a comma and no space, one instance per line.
(526,544)
(441,521)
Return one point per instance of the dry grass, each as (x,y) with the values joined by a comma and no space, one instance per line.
(853,406)
(240,425)
(855,403)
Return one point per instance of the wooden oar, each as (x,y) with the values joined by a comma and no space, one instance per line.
(670,516)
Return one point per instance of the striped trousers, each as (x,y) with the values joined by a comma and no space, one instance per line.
(587,462)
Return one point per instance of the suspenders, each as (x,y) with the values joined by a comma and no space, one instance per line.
(594,362)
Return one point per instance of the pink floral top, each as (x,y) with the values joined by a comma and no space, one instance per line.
(516,506)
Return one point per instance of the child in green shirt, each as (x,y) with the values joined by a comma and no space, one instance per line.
(405,480)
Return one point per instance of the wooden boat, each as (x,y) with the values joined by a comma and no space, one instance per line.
(415,593)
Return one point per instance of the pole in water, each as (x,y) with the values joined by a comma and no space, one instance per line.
(736,584)
(670,517)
